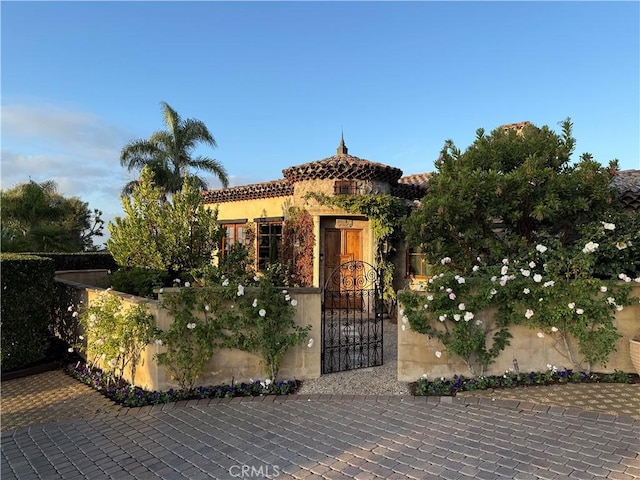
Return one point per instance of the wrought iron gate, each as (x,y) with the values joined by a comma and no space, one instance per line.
(352,313)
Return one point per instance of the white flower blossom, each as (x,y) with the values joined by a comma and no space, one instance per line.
(603,289)
(528,313)
(225,282)
(505,261)
(525,273)
(158,341)
(504,270)
(256,278)
(540,335)
(438,353)
(187,284)
(619,308)
(579,311)
(571,306)
(70,349)
(550,283)
(526,291)
(541,248)
(404,319)
(461,306)
(478,322)
(207,308)
(611,300)
(445,260)
(621,245)
(554,329)
(294,302)
(430,297)
(255,303)
(475,268)
(494,278)
(608,226)
(452,296)
(81,337)
(468,316)
(191,325)
(461,280)
(70,309)
(637,280)
(590,247)
(262,312)
(532,264)
(442,318)
(457,317)
(537,278)
(74,314)
(624,277)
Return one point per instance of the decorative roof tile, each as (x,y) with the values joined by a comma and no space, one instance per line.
(627,182)
(275,188)
(342,167)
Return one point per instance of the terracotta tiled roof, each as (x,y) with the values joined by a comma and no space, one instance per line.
(417,179)
(411,187)
(627,182)
(275,188)
(517,127)
(342,167)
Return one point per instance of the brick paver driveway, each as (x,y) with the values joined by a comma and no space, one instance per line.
(330,437)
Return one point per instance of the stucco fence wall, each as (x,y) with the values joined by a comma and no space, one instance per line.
(417,352)
(227,365)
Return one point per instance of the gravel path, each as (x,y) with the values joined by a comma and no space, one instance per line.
(365,381)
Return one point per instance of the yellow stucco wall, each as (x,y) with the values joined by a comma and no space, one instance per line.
(417,352)
(252,209)
(301,362)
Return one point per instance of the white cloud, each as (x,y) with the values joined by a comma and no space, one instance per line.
(77,150)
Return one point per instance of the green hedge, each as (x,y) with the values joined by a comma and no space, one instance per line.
(80,261)
(27,300)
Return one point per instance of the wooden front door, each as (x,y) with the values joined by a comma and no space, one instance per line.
(340,246)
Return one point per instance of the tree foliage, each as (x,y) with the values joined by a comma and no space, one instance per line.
(505,191)
(176,236)
(36,218)
(168,153)
(513,226)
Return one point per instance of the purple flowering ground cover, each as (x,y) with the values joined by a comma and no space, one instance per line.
(128,395)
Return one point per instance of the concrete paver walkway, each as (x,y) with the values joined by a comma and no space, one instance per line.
(333,438)
(56,428)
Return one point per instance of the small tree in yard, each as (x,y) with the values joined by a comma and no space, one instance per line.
(512,224)
(176,236)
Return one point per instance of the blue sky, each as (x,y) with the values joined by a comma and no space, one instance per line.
(277,82)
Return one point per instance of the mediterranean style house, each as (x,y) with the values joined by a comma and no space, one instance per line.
(262,208)
(255,214)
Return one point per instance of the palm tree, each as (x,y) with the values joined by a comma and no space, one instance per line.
(168,153)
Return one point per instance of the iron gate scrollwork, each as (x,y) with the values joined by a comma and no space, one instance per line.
(352,318)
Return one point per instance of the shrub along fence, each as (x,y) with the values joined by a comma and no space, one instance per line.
(228,365)
(27,296)
(529,350)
